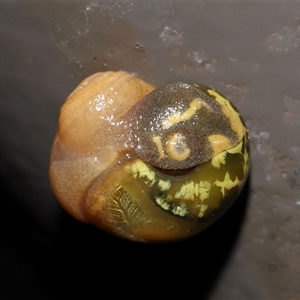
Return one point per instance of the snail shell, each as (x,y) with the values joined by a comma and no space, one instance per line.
(148,164)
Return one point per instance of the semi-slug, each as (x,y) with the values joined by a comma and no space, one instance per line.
(146,164)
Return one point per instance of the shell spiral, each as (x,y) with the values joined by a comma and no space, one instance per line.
(148,164)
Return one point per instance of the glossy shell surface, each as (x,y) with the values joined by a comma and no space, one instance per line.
(148,164)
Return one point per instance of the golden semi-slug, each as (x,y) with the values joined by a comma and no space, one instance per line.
(148,164)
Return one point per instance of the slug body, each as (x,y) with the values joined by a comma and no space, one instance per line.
(147,164)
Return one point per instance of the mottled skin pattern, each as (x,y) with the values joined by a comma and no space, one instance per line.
(182,125)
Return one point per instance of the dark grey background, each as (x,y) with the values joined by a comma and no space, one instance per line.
(248,51)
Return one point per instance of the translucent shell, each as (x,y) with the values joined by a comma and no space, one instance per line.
(148,164)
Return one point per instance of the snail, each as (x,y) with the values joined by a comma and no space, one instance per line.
(146,164)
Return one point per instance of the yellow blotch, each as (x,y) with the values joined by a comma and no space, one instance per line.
(177,148)
(157,142)
(186,192)
(227,183)
(162,203)
(164,185)
(190,190)
(237,149)
(203,209)
(231,114)
(184,116)
(219,143)
(219,160)
(139,169)
(204,189)
(223,101)
(180,210)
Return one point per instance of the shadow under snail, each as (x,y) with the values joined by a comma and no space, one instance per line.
(146,164)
